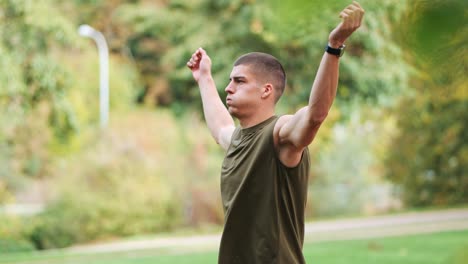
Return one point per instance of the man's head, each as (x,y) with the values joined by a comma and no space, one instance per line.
(257,81)
(267,70)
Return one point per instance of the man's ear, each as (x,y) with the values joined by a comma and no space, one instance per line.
(267,90)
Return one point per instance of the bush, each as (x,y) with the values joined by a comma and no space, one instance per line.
(139,177)
(12,245)
(13,235)
(349,174)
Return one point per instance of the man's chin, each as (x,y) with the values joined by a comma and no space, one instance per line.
(232,112)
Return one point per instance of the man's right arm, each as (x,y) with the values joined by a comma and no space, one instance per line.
(218,119)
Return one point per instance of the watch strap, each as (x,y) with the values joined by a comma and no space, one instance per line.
(337,52)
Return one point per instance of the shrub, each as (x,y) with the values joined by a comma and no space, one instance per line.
(137,177)
(348,171)
(13,236)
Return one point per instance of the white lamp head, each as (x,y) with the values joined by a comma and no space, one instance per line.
(86,30)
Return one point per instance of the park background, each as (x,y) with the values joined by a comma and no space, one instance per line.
(395,139)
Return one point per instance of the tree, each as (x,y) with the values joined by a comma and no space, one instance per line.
(161,36)
(34,87)
(429,158)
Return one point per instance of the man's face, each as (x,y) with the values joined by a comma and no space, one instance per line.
(243,92)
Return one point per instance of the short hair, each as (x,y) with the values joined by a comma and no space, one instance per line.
(267,66)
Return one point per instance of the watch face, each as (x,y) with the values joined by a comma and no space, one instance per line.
(342,48)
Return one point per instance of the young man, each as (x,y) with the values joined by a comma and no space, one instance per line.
(265,171)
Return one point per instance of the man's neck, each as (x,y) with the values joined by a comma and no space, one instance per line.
(255,119)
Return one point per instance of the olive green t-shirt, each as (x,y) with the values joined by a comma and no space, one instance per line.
(263,200)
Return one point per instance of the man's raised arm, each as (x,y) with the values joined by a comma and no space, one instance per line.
(218,119)
(298,131)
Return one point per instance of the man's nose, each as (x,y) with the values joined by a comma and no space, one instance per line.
(229,89)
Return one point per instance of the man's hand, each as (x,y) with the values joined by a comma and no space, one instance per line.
(351,20)
(199,64)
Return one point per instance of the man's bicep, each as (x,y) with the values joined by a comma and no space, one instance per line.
(297,130)
(225,136)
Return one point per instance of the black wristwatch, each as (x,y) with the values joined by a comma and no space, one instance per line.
(337,52)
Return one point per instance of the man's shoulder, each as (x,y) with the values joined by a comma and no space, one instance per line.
(283,119)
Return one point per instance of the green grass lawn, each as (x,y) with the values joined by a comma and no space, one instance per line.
(438,248)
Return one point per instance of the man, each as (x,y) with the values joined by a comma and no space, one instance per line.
(265,171)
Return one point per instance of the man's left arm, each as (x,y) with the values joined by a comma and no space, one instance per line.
(297,131)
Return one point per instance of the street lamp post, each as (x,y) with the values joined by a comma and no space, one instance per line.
(98,37)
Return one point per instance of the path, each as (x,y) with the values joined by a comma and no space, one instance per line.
(343,229)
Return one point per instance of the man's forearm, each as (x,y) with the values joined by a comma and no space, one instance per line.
(325,84)
(216,114)
(324,89)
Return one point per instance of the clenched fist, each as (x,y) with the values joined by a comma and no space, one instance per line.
(200,64)
(351,20)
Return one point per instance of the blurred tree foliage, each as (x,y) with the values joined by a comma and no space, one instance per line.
(14,234)
(44,97)
(429,157)
(28,41)
(372,72)
(34,86)
(161,35)
(130,184)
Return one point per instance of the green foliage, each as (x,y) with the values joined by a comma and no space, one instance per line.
(14,245)
(139,178)
(49,87)
(54,229)
(429,156)
(296,33)
(372,71)
(348,172)
(98,215)
(13,235)
(32,98)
